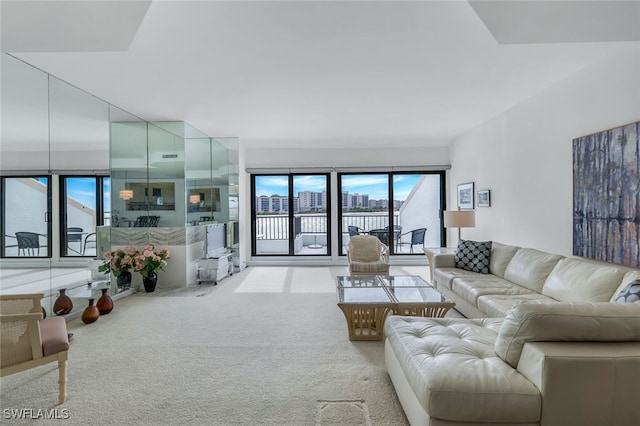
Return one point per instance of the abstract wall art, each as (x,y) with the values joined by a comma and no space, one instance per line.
(606,195)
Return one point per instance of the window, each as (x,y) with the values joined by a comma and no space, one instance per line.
(290,214)
(83,207)
(26,216)
(401,209)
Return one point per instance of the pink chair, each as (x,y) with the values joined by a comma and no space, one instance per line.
(28,341)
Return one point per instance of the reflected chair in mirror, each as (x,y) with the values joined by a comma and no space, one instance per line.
(142,222)
(367,256)
(417,237)
(74,235)
(28,341)
(28,243)
(353,230)
(153,221)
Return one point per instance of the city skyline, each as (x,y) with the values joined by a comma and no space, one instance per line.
(373,185)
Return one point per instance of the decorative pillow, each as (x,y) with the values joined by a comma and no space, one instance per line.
(473,256)
(629,294)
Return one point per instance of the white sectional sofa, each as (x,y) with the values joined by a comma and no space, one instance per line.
(519,275)
(545,344)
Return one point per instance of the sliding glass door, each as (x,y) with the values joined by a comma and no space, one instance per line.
(403,210)
(290,215)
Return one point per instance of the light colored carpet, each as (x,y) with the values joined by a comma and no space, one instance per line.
(267,346)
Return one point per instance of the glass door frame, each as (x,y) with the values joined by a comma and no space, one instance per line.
(290,213)
(99,200)
(47,218)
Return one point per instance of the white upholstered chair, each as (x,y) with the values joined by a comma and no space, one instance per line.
(28,341)
(367,256)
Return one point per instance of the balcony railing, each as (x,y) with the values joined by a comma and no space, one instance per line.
(276,227)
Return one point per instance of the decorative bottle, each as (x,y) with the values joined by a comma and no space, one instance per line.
(63,304)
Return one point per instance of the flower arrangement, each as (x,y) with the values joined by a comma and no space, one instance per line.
(119,260)
(149,262)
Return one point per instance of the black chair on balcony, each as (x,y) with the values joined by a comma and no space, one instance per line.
(74,235)
(28,243)
(353,230)
(417,237)
(91,241)
(397,232)
(381,234)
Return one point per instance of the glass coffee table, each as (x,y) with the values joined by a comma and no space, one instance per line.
(366,300)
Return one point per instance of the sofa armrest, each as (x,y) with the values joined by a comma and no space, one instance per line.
(585,383)
(444,260)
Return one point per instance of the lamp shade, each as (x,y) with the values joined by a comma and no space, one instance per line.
(194,199)
(126,194)
(459,219)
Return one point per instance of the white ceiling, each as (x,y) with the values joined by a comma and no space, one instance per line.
(318,74)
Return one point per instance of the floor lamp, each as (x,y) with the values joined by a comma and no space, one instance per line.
(459,219)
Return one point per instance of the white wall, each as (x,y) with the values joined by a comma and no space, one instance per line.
(309,157)
(524,156)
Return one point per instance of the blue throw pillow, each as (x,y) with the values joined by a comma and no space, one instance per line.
(630,293)
(473,256)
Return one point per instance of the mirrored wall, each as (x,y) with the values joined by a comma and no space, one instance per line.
(74,167)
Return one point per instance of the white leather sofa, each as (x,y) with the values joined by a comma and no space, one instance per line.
(557,351)
(519,275)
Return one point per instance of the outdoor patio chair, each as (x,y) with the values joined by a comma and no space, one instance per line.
(353,230)
(417,237)
(397,232)
(28,341)
(74,235)
(367,256)
(29,243)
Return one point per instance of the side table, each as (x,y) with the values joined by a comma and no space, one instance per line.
(430,252)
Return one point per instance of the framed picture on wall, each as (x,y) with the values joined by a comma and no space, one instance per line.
(465,195)
(484,198)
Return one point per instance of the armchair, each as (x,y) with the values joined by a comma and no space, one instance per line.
(367,256)
(28,341)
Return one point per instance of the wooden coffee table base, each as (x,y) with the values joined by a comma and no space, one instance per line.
(366,301)
(365,322)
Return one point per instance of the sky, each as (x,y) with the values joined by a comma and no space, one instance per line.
(374,185)
(83,190)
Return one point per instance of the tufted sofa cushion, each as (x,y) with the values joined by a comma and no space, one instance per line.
(454,372)
(566,322)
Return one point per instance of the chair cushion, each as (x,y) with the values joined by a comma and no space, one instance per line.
(364,248)
(53,332)
(473,256)
(373,267)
